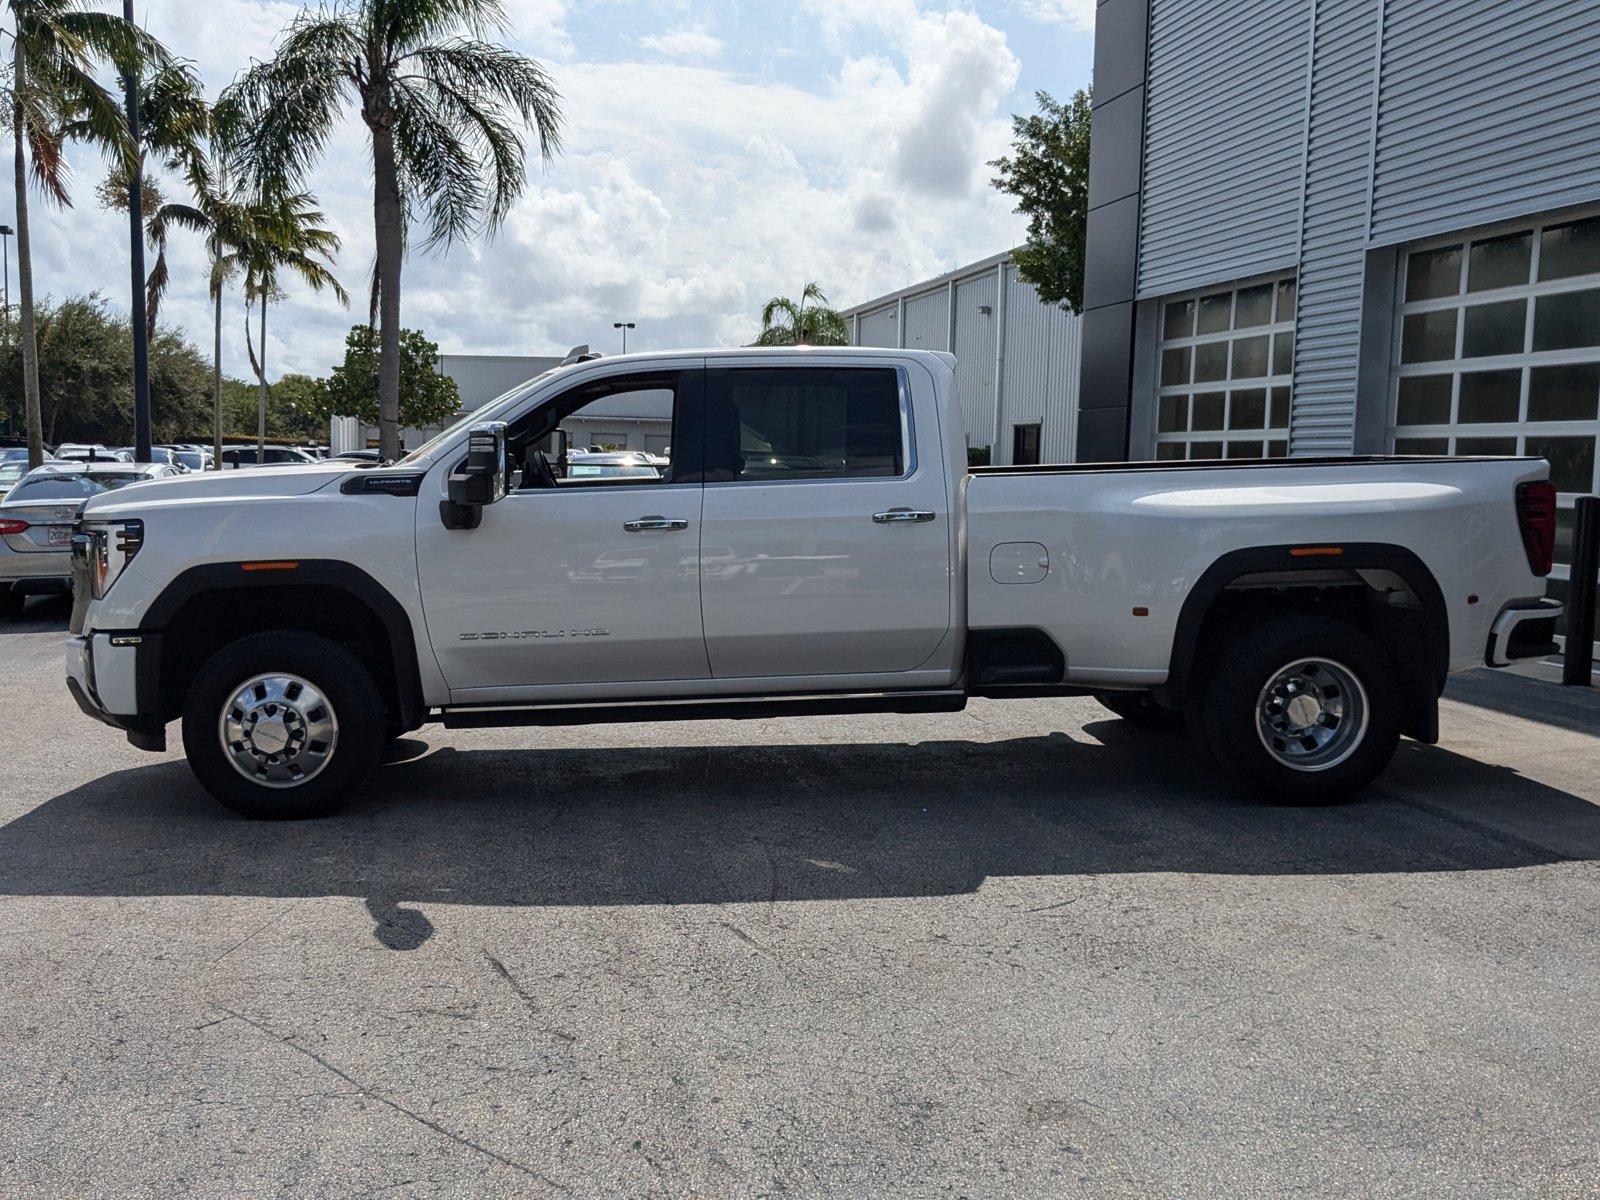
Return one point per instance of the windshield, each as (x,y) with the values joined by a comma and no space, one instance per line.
(484,412)
(192,459)
(70,487)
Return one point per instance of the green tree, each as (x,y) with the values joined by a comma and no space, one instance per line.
(445,110)
(1048,173)
(426,397)
(785,322)
(85,372)
(294,409)
(56,48)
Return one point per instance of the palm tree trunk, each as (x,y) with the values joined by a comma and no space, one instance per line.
(216,368)
(390,234)
(30,345)
(261,401)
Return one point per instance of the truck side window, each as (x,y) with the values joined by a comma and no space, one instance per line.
(778,423)
(618,431)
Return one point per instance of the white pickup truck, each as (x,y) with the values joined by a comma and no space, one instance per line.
(813,541)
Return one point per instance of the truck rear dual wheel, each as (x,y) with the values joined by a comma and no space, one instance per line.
(283,725)
(1301,710)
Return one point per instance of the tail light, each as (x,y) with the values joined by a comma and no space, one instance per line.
(10,527)
(1536,514)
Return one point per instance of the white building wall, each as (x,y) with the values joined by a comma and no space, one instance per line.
(1037,376)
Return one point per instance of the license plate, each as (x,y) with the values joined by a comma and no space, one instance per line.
(59,535)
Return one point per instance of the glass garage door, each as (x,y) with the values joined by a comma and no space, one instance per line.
(1497,351)
(1227,361)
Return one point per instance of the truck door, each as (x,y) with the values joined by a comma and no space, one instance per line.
(587,572)
(825,540)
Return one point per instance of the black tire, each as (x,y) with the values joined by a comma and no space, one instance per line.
(1139,709)
(11,602)
(1232,728)
(330,668)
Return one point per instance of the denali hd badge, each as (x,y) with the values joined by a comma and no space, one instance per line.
(506,635)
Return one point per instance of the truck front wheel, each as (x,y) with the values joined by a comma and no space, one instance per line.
(283,725)
(1302,710)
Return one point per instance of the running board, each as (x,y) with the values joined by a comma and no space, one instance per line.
(731,708)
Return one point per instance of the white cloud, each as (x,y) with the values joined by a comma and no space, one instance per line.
(689,192)
(693,44)
(1078,14)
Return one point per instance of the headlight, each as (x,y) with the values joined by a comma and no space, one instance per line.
(100,551)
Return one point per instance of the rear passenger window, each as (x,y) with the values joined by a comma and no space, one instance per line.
(807,423)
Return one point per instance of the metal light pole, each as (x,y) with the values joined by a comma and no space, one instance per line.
(6,233)
(141,348)
(624,326)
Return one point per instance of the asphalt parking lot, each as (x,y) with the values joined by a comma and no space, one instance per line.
(1024,950)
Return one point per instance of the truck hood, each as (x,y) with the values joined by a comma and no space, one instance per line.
(245,483)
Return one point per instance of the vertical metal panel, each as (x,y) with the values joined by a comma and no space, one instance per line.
(481,377)
(1060,441)
(1488,110)
(975,332)
(1224,139)
(879,328)
(1041,372)
(925,321)
(1333,234)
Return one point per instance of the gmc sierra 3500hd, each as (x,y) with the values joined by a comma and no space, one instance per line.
(807,539)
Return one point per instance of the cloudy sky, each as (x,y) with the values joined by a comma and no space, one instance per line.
(716,153)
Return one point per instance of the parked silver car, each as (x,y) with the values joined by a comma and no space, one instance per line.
(36,520)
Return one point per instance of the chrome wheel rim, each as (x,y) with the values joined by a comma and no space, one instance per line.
(278,730)
(1312,714)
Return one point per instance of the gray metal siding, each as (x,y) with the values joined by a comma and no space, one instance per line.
(926,320)
(975,356)
(482,377)
(1224,120)
(1338,162)
(1489,109)
(879,328)
(1041,371)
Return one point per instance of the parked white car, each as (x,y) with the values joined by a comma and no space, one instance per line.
(816,544)
(37,517)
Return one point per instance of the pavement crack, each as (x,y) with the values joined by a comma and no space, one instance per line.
(272,920)
(744,937)
(370,1094)
(528,1001)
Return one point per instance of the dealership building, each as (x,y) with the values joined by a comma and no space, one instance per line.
(1016,357)
(1345,226)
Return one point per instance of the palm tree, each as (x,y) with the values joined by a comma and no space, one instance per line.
(292,238)
(786,323)
(445,110)
(55,49)
(174,125)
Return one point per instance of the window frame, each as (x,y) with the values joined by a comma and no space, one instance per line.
(1519,429)
(1017,428)
(716,403)
(687,427)
(1266,436)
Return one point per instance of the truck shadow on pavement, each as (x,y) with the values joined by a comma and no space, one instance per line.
(767,824)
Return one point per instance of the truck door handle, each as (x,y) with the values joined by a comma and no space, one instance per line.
(895,515)
(642,524)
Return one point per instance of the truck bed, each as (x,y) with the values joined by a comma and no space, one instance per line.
(1102,556)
